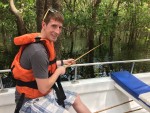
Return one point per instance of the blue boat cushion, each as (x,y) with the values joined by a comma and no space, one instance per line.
(130,83)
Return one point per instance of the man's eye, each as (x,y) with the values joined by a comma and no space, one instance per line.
(54,26)
(60,27)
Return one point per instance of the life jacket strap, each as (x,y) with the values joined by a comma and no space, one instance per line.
(52,61)
(37,39)
(31,84)
(19,103)
(59,92)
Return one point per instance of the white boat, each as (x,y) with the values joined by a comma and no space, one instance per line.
(99,94)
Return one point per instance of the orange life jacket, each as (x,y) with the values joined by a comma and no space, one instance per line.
(25,77)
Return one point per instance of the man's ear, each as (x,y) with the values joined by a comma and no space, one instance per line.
(43,24)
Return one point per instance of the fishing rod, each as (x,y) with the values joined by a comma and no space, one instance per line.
(84,54)
(87,52)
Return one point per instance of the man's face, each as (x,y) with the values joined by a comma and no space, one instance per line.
(52,30)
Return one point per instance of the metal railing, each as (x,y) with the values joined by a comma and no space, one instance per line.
(86,64)
(111,62)
(1,82)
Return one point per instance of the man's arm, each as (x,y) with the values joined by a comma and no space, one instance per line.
(39,62)
(44,85)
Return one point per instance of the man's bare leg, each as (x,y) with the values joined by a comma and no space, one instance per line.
(79,106)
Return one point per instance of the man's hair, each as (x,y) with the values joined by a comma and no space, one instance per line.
(53,14)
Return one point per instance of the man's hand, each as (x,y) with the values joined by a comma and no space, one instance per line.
(65,63)
(69,62)
(61,70)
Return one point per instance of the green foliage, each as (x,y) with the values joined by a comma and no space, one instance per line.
(28,9)
(8,28)
(132,17)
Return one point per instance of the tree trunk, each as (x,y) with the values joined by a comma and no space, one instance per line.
(72,44)
(20,23)
(91,38)
(112,34)
(3,36)
(132,35)
(40,6)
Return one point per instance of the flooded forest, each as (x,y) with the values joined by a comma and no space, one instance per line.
(120,27)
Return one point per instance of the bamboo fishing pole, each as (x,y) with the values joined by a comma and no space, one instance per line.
(87,52)
(113,106)
(84,54)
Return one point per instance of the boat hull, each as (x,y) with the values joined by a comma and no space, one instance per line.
(96,93)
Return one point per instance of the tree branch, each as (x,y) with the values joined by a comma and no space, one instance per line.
(14,9)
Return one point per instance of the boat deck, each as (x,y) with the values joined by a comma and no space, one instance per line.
(96,93)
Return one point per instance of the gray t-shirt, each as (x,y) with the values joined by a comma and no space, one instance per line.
(34,57)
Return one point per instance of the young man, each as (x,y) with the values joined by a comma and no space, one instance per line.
(36,71)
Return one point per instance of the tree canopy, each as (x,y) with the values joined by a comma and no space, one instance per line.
(122,25)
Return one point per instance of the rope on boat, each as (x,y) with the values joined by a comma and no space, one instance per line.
(133,110)
(113,106)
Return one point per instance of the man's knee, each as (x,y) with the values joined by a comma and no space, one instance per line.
(77,100)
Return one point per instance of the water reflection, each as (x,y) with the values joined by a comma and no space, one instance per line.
(121,52)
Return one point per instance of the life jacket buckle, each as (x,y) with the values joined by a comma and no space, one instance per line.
(37,39)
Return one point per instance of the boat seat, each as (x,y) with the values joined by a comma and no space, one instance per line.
(133,88)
